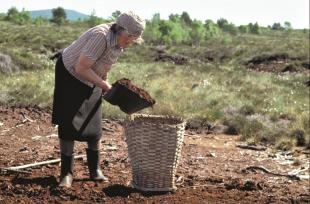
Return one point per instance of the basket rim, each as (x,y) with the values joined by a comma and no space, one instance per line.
(134,116)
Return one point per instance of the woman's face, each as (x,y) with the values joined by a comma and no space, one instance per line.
(125,39)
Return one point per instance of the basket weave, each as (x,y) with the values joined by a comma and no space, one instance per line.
(154,147)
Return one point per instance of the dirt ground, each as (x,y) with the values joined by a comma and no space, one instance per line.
(213,169)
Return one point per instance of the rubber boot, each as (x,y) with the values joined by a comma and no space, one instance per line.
(93,159)
(66,175)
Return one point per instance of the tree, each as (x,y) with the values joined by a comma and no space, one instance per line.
(156,18)
(221,23)
(25,16)
(152,33)
(17,17)
(277,26)
(93,19)
(11,14)
(174,17)
(165,28)
(255,29)
(243,29)
(40,21)
(172,32)
(287,26)
(227,27)
(2,16)
(115,14)
(198,32)
(185,18)
(305,30)
(59,15)
(212,29)
(230,28)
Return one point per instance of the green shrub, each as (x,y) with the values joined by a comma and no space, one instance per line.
(20,18)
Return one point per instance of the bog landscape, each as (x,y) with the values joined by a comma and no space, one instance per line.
(242,90)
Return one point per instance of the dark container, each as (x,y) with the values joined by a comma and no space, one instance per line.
(127,100)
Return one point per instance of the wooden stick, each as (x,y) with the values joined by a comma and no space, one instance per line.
(39,163)
(27,119)
(15,171)
(251,147)
(196,186)
(293,177)
(297,171)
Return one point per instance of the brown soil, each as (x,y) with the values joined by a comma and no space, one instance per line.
(142,93)
(277,63)
(212,169)
(176,59)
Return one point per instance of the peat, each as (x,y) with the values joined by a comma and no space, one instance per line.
(142,93)
(128,97)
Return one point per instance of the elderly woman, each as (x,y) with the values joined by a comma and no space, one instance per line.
(80,79)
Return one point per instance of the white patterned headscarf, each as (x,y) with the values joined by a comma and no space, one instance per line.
(132,23)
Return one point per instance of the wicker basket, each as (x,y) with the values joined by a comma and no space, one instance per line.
(154,147)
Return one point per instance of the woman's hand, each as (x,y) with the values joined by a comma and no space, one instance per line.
(106,86)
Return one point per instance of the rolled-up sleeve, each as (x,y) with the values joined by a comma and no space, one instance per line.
(95,46)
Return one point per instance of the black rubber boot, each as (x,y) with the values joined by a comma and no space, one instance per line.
(66,174)
(93,159)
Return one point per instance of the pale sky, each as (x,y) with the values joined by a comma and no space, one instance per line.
(265,12)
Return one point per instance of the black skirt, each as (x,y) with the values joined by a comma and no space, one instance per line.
(76,107)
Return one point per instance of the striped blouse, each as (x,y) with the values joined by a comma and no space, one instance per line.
(99,44)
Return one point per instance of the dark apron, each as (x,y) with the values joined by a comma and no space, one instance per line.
(76,107)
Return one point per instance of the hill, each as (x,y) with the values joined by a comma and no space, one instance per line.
(47,13)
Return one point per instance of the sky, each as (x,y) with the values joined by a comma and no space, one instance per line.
(239,12)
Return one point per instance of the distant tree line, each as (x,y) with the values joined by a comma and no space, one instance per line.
(182,29)
(23,17)
(17,17)
(178,29)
